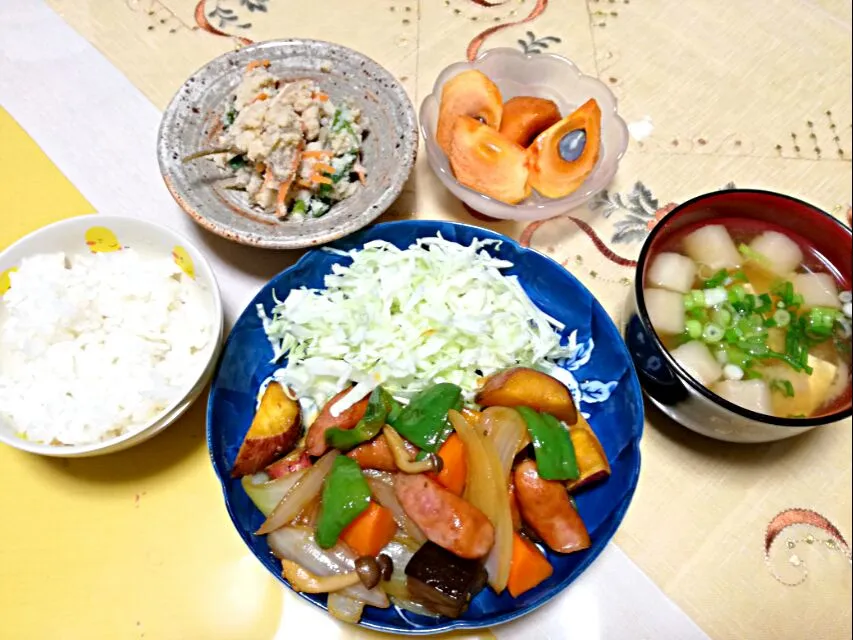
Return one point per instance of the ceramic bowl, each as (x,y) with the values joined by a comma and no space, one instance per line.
(542,75)
(70,236)
(605,388)
(193,117)
(666,383)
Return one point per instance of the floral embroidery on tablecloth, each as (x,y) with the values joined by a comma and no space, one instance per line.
(830,539)
(532,44)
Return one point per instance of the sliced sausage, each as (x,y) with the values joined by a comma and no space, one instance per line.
(376,454)
(315,441)
(545,506)
(446,519)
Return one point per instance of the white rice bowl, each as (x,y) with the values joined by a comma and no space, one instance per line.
(160,380)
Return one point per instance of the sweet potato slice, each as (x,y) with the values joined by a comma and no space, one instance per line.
(523,387)
(274,431)
(472,94)
(525,117)
(592,461)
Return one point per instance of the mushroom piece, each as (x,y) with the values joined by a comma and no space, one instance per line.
(368,570)
(401,457)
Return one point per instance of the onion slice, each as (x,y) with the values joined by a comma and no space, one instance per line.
(300,495)
(267,495)
(382,487)
(345,608)
(298,544)
(486,489)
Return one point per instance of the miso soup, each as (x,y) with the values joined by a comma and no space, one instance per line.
(754,314)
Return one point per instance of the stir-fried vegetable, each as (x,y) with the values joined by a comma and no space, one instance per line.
(300,495)
(344,608)
(381,485)
(423,421)
(486,490)
(529,567)
(345,496)
(555,454)
(368,534)
(267,495)
(378,407)
(454,465)
(298,545)
(506,429)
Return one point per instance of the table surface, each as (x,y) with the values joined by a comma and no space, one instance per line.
(138,544)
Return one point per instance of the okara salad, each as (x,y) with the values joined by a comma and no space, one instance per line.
(443,457)
(292,150)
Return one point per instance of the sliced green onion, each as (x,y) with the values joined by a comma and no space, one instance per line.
(736,294)
(715,296)
(783,386)
(716,280)
(712,333)
(781,318)
(694,328)
(751,254)
(765,303)
(722,317)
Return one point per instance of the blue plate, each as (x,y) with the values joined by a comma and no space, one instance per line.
(606,387)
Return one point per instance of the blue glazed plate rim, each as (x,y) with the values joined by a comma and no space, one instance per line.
(604,534)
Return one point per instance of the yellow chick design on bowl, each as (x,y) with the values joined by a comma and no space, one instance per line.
(102,240)
(183,260)
(6,280)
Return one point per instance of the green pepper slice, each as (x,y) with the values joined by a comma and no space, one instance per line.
(423,421)
(345,495)
(555,454)
(379,406)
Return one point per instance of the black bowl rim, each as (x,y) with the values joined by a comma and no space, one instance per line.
(683,375)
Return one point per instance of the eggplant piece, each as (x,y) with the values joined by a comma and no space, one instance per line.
(444,582)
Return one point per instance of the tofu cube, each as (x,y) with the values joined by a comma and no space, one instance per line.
(817,289)
(666,310)
(672,271)
(749,394)
(699,362)
(712,245)
(783,254)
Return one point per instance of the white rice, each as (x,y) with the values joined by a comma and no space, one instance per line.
(92,346)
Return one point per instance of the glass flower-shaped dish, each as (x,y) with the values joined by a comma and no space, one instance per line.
(541,75)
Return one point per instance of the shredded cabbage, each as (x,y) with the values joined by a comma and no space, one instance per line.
(435,312)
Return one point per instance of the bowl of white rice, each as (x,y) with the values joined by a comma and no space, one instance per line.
(110,328)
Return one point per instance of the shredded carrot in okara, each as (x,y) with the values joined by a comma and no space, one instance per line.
(260,97)
(254,64)
(322,97)
(318,179)
(317,154)
(304,184)
(322,166)
(361,177)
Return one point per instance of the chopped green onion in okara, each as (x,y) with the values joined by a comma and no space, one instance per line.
(694,328)
(712,333)
(715,296)
(732,372)
(781,318)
